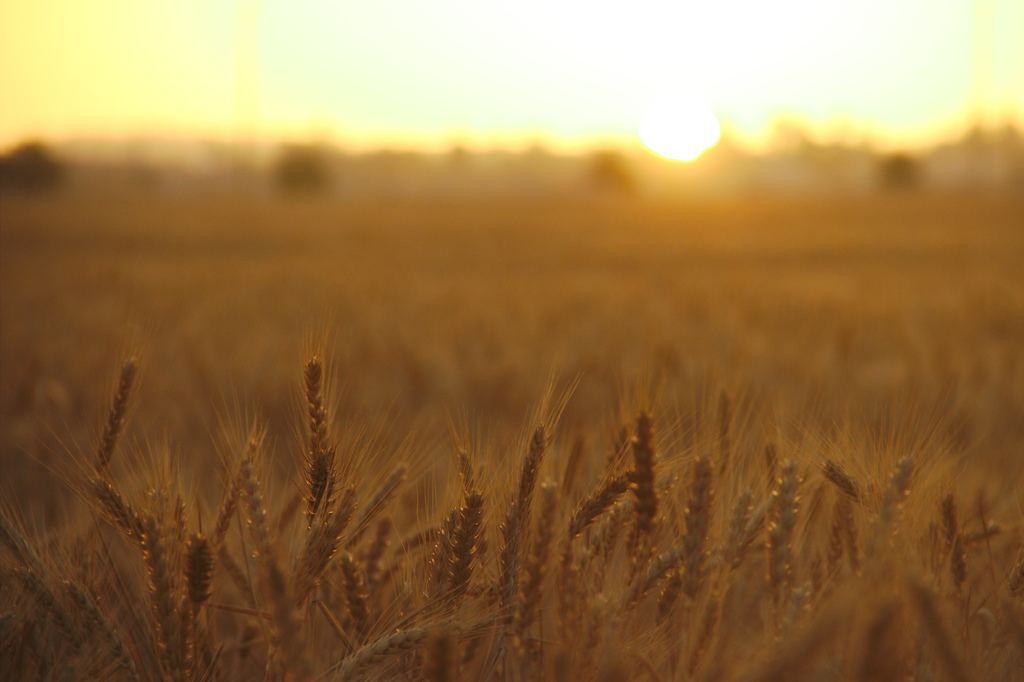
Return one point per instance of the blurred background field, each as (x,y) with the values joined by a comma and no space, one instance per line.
(813,310)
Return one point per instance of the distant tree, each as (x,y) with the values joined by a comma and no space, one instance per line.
(302,168)
(899,171)
(609,171)
(790,136)
(31,168)
(458,156)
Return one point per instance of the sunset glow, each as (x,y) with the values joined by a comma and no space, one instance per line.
(503,74)
(679,128)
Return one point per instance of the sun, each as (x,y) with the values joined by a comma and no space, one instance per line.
(679,127)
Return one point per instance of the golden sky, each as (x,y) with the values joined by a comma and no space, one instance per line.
(477,72)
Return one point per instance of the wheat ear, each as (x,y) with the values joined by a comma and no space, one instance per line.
(464,543)
(163,598)
(737,543)
(843,481)
(591,508)
(376,652)
(198,569)
(536,564)
(698,521)
(14,540)
(355,594)
(892,504)
(642,478)
(780,534)
(321,543)
(115,417)
(321,476)
(113,639)
(518,518)
(377,503)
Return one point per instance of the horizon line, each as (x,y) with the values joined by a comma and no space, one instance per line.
(777,135)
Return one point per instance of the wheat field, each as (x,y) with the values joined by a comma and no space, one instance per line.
(584,438)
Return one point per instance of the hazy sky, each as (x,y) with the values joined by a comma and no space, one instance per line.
(432,72)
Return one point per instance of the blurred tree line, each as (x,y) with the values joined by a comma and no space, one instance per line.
(302,168)
(31,168)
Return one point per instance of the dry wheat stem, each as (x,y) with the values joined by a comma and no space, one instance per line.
(438,657)
(879,661)
(724,438)
(791,656)
(704,636)
(835,537)
(935,625)
(572,465)
(287,655)
(950,522)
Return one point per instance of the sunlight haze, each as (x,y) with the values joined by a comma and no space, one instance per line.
(504,74)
